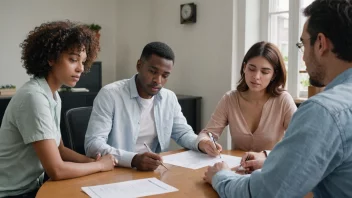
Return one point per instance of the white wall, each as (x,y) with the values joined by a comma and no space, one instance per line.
(208,53)
(135,29)
(203,50)
(246,32)
(18,17)
(252,23)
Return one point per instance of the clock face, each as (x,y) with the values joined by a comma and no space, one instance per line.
(186,11)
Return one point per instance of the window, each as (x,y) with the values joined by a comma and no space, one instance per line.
(278,26)
(303,75)
(282,25)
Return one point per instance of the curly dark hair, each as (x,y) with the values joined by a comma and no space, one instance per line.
(273,55)
(49,40)
(158,48)
(333,18)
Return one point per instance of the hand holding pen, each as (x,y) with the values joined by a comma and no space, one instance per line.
(146,145)
(147,161)
(209,146)
(252,161)
(244,159)
(213,139)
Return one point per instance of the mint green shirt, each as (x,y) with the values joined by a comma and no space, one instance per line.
(33,114)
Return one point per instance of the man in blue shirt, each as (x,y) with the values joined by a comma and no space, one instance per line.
(135,118)
(316,152)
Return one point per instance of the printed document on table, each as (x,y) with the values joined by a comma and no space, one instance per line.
(133,188)
(196,160)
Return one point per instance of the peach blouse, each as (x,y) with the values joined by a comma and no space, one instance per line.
(276,115)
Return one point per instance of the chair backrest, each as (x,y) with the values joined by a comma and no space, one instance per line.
(77,122)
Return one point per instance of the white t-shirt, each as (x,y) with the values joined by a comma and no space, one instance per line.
(147,131)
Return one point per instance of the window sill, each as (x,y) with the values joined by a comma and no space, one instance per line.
(300,100)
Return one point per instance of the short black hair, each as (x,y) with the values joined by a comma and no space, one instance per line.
(158,48)
(50,39)
(333,18)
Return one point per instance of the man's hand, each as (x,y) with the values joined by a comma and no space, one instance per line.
(147,161)
(207,146)
(252,161)
(212,170)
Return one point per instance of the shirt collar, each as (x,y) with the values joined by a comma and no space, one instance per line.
(45,86)
(134,92)
(340,79)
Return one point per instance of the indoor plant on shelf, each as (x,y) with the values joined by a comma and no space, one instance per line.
(96,28)
(312,90)
(7,90)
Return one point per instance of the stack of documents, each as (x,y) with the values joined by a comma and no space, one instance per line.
(196,160)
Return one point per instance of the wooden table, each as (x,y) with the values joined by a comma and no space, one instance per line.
(189,182)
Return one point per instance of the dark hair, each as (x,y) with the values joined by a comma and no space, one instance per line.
(49,40)
(158,48)
(333,18)
(272,54)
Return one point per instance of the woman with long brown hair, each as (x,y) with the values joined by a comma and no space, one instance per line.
(259,111)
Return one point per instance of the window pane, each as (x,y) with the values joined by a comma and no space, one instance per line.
(279,33)
(278,27)
(278,5)
(305,3)
(303,77)
(304,82)
(302,65)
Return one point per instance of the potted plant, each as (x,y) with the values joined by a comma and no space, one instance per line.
(7,90)
(96,28)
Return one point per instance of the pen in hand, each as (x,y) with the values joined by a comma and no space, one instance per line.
(152,152)
(241,167)
(212,139)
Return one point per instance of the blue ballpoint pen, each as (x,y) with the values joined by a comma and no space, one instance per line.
(213,139)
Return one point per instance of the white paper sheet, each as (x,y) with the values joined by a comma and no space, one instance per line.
(133,188)
(196,160)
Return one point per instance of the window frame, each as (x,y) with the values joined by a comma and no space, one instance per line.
(295,28)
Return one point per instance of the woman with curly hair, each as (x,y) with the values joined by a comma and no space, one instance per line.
(55,54)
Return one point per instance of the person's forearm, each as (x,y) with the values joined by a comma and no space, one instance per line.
(69,155)
(68,170)
(97,145)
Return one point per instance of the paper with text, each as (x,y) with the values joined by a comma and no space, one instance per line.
(196,160)
(133,188)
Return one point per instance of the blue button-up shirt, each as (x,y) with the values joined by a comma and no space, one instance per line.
(114,124)
(315,154)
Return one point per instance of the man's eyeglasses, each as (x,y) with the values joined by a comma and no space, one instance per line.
(300,46)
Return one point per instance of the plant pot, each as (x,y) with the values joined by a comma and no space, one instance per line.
(314,90)
(7,92)
(97,35)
